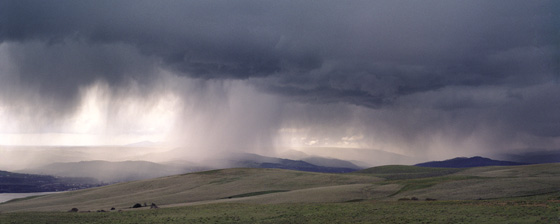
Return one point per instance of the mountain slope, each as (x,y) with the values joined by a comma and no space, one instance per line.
(329,162)
(371,157)
(463,162)
(257,161)
(111,172)
(487,183)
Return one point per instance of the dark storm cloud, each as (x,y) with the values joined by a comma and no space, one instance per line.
(202,39)
(338,49)
(367,53)
(58,70)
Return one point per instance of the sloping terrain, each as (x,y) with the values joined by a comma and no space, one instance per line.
(396,172)
(464,162)
(193,187)
(275,186)
(486,183)
(317,164)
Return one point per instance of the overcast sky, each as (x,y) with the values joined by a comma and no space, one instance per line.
(420,78)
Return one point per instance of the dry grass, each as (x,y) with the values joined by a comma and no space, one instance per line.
(540,170)
(489,182)
(273,186)
(195,187)
(473,189)
(536,209)
(339,193)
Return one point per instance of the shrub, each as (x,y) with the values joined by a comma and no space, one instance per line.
(137,205)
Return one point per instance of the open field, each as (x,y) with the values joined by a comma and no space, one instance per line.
(535,209)
(520,194)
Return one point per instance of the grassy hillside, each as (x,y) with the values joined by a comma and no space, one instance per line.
(535,209)
(464,162)
(533,189)
(485,183)
(194,187)
(397,172)
(491,182)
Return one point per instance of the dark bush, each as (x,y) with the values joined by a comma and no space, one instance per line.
(414,198)
(137,205)
(404,199)
(431,199)
(73,210)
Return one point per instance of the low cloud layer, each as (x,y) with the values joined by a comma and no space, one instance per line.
(432,77)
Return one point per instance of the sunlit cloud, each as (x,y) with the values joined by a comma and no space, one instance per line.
(102,117)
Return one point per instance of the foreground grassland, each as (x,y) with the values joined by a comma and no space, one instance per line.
(387,194)
(536,209)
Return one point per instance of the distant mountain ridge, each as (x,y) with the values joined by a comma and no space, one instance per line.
(112,172)
(464,162)
(249,160)
(331,162)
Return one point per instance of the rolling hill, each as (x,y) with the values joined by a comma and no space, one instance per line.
(275,186)
(208,186)
(396,172)
(463,162)
(312,164)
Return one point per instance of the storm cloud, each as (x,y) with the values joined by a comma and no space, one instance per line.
(407,76)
